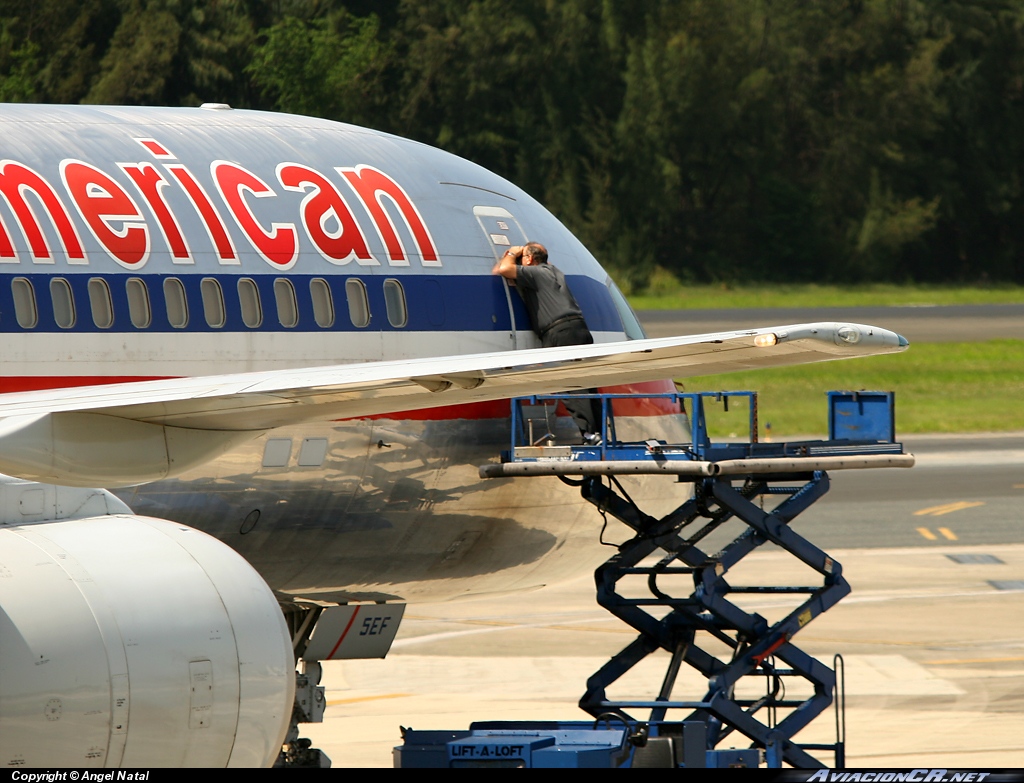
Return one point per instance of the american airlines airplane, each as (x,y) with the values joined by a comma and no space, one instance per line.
(251,364)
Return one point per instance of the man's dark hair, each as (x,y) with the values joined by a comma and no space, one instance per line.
(538,252)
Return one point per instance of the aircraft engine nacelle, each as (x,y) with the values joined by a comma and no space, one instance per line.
(128,641)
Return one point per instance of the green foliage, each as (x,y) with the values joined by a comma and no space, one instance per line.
(129,51)
(330,66)
(20,66)
(55,47)
(527,89)
(888,225)
(138,62)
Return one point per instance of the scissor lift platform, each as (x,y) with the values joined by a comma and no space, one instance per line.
(730,481)
(700,457)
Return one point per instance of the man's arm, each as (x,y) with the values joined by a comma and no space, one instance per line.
(506,266)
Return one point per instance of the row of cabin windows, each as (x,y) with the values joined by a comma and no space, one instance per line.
(212,294)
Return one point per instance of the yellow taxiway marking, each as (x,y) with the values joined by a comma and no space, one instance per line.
(948,508)
(1018,486)
(336,702)
(944,531)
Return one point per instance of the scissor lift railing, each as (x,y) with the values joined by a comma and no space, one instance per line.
(522,436)
(730,482)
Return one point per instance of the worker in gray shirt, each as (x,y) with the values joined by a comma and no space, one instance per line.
(554,316)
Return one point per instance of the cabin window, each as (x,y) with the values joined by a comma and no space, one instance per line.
(358,302)
(101,303)
(394,300)
(139,309)
(249,299)
(213,302)
(25,309)
(63,302)
(323,304)
(287,307)
(177,304)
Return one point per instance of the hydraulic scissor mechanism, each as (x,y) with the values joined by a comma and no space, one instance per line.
(687,564)
(687,626)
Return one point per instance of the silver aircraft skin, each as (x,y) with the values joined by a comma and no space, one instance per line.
(284,332)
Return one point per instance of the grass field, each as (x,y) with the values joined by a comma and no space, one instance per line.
(940,387)
(674,297)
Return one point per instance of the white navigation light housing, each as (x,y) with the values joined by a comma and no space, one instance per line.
(766,340)
(849,334)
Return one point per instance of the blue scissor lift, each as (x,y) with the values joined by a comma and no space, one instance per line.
(731,481)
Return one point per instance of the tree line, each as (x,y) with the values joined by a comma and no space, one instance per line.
(713,140)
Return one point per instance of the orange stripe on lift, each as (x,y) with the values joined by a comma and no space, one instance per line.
(760,658)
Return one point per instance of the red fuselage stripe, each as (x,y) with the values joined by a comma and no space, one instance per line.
(36,382)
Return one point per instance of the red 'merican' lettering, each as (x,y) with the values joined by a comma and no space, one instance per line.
(326,217)
(279,245)
(373,185)
(211,218)
(156,149)
(15,181)
(108,211)
(151,183)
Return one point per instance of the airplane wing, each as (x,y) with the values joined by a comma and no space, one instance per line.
(122,434)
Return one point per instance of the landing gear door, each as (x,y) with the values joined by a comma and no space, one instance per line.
(502,231)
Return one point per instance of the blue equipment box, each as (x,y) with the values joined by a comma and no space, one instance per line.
(862,415)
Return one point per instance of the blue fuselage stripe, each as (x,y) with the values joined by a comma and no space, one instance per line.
(436,303)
